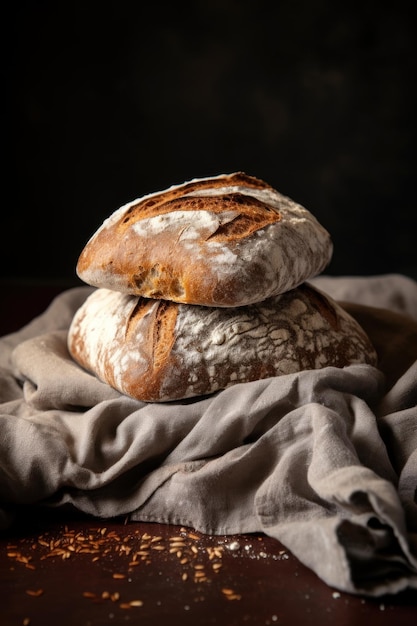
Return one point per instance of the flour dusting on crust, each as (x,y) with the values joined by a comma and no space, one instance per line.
(229,241)
(159,351)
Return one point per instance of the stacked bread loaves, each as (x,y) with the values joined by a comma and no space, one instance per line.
(203,286)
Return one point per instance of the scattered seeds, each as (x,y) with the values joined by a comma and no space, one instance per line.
(230,594)
(34,592)
(135,549)
(193,536)
(227,591)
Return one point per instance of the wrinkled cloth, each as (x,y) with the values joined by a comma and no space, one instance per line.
(324,461)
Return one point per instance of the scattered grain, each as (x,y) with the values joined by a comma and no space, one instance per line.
(132,550)
(23,559)
(35,593)
(234,596)
(142,553)
(193,536)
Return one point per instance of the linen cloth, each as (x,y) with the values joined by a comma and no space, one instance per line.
(324,461)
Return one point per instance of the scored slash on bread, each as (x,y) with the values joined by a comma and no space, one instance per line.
(228,240)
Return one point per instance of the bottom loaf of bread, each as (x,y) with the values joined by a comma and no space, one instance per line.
(158,350)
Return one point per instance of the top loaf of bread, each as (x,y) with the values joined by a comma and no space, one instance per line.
(222,241)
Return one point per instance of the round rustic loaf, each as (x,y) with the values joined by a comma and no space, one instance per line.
(158,350)
(228,240)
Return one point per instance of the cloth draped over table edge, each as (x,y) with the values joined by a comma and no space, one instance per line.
(324,461)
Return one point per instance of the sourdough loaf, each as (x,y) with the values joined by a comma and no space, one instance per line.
(229,240)
(158,350)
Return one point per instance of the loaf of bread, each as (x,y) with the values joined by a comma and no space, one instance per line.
(158,350)
(224,241)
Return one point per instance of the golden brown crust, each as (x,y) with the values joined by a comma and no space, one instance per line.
(229,240)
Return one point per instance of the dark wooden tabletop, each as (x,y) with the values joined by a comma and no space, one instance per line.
(61,567)
(76,570)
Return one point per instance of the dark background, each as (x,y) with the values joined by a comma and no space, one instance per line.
(104,102)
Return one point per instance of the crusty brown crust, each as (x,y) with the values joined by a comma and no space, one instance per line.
(156,350)
(228,240)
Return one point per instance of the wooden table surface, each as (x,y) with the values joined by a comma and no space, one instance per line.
(82,571)
(61,567)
